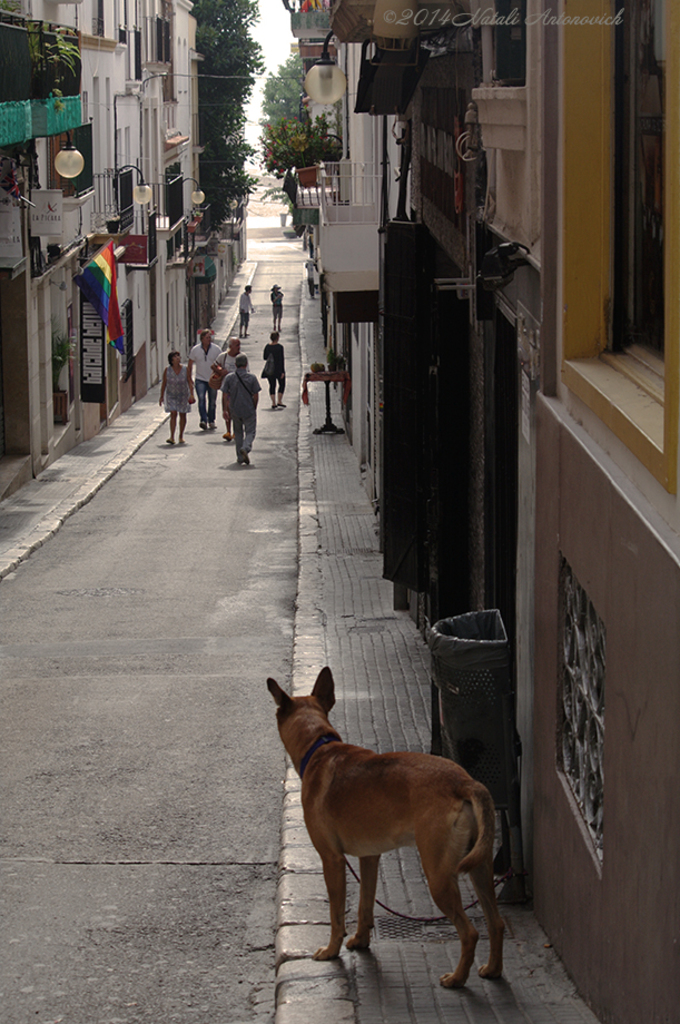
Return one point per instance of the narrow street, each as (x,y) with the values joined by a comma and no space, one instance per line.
(141,819)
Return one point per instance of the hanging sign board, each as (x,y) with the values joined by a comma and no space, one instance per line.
(92,354)
(46,214)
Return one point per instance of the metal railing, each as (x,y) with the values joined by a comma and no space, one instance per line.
(349,192)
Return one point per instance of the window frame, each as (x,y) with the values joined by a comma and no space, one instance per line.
(590,369)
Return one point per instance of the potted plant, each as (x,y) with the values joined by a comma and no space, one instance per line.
(291,143)
(61,354)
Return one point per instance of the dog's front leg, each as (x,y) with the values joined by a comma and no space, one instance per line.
(368,867)
(334,874)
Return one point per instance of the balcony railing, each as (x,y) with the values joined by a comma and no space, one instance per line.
(349,193)
(114,210)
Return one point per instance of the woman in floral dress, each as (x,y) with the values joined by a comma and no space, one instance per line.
(177,389)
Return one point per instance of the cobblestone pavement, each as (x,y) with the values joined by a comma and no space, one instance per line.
(345,618)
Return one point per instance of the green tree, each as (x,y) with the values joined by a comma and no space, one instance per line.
(233,60)
(282,90)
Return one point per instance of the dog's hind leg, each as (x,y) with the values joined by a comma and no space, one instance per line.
(443,882)
(334,875)
(368,867)
(482,879)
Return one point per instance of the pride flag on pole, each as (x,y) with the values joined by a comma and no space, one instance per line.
(97,282)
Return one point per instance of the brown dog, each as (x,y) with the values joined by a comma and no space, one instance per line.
(360,803)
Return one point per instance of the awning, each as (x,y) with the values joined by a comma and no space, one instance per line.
(389,78)
(356,307)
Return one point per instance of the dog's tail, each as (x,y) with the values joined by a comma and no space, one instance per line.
(485,816)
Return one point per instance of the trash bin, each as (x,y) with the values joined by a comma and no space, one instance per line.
(471,670)
(476,710)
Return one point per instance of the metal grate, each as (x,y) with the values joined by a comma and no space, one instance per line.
(399,929)
(581,750)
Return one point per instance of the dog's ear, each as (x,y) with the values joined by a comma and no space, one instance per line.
(280,696)
(324,689)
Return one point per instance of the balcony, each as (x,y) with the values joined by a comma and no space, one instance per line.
(39,79)
(310,19)
(349,217)
(352,21)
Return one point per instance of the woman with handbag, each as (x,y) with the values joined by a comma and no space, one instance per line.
(275,369)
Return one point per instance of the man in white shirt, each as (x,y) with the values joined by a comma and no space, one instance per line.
(245,308)
(203,356)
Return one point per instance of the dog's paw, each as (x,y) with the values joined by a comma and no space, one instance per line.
(451,981)
(325,953)
(487,972)
(359,941)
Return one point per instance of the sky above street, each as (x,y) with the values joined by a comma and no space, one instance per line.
(272,32)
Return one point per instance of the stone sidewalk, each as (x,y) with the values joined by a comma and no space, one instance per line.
(345,619)
(33,514)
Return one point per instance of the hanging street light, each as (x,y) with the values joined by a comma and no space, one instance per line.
(69,161)
(142,193)
(198,195)
(325,82)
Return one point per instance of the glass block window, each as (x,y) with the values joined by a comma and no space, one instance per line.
(581,701)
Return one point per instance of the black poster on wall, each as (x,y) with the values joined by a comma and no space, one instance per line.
(92,354)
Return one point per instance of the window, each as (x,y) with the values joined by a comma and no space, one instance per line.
(639,107)
(621,222)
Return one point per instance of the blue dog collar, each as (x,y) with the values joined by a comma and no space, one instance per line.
(328,738)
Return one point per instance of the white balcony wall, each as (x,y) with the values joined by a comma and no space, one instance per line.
(348,225)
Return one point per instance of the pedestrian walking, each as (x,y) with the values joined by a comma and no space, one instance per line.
(239,402)
(245,308)
(278,376)
(224,364)
(309,267)
(276,296)
(202,356)
(177,391)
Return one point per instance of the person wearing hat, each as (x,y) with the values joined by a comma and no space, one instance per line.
(276,296)
(239,402)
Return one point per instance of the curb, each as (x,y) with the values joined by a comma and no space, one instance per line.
(307,991)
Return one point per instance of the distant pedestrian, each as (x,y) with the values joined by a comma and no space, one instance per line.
(203,356)
(309,267)
(245,308)
(276,296)
(177,390)
(275,350)
(239,402)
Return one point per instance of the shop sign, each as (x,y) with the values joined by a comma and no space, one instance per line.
(46,213)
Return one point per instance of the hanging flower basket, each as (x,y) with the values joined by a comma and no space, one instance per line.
(301,144)
(307,176)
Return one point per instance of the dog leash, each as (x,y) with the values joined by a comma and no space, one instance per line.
(431,920)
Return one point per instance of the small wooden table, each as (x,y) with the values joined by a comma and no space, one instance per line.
(328,377)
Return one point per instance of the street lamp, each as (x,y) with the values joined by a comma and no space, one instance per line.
(198,195)
(325,82)
(69,161)
(141,193)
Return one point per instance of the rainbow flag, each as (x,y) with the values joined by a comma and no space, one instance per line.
(97,282)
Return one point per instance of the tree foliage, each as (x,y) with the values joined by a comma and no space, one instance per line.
(227,75)
(282,90)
